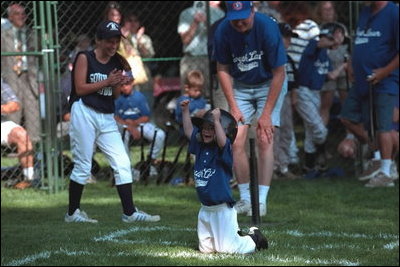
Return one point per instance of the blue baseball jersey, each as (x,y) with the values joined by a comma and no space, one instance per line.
(251,55)
(375,45)
(195,105)
(132,106)
(314,66)
(212,171)
(101,100)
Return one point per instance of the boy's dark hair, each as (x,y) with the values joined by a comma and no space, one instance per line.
(328,29)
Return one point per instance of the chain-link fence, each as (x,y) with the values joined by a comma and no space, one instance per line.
(59,28)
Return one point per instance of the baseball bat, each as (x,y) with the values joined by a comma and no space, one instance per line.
(175,163)
(147,164)
(255,203)
(162,164)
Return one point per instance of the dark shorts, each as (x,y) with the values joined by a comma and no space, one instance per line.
(356,109)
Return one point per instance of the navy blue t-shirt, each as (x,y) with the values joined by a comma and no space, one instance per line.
(375,45)
(314,66)
(251,55)
(132,106)
(102,100)
(212,171)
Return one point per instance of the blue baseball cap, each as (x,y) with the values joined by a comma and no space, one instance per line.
(238,9)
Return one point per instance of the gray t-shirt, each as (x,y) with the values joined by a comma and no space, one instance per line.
(198,46)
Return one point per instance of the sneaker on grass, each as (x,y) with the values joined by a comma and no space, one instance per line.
(242,206)
(372,170)
(79,216)
(380,180)
(140,216)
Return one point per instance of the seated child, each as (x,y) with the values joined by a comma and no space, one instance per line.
(131,110)
(194,85)
(211,142)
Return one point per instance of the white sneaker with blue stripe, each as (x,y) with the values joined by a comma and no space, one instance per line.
(79,216)
(140,216)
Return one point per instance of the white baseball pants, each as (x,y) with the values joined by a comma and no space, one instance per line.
(88,127)
(217,231)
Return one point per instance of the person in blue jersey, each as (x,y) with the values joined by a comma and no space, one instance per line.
(193,91)
(314,68)
(251,61)
(132,110)
(211,142)
(97,77)
(375,63)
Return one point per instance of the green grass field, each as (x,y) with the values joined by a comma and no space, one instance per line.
(309,222)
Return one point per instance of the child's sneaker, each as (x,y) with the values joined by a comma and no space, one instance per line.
(258,238)
(79,216)
(140,216)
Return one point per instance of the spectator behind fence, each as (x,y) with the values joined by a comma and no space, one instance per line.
(314,68)
(269,8)
(249,50)
(143,47)
(97,79)
(193,91)
(325,12)
(211,142)
(14,134)
(219,99)
(132,110)
(375,63)
(20,71)
(192,28)
(113,12)
(284,134)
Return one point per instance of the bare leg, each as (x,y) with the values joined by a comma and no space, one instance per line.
(240,157)
(265,163)
(20,138)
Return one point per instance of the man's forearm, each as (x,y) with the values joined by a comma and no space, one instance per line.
(226,84)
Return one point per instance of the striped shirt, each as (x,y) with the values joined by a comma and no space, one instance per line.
(306,30)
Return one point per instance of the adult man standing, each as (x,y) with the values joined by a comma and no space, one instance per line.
(249,49)
(192,28)
(377,36)
(20,71)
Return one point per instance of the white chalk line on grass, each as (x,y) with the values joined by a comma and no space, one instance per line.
(119,233)
(116,235)
(346,235)
(181,255)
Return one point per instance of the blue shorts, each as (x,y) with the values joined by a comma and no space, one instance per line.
(356,109)
(251,101)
